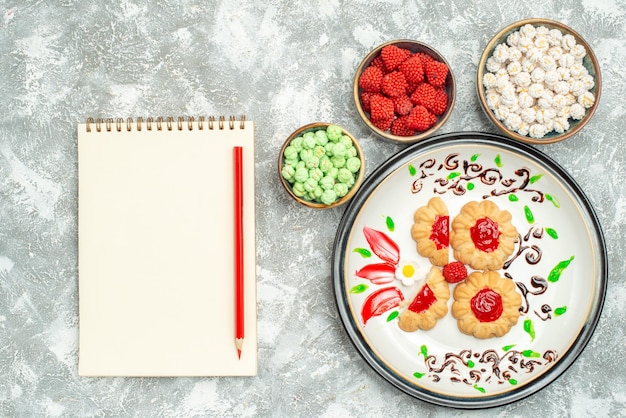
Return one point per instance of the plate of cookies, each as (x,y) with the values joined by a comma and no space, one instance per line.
(469,270)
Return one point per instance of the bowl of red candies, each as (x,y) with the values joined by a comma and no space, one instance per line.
(404,90)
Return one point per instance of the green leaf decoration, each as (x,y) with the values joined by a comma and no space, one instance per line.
(412,170)
(453,175)
(390,225)
(560,311)
(508,347)
(392,316)
(554,200)
(529,327)
(529,215)
(418,375)
(555,273)
(365,253)
(424,351)
(474,157)
(513,197)
(513,382)
(470,364)
(531,354)
(535,178)
(498,161)
(470,186)
(359,288)
(552,233)
(478,388)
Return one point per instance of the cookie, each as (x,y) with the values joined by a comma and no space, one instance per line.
(428,306)
(431,231)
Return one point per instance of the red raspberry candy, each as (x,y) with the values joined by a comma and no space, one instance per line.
(402,105)
(454,272)
(421,119)
(440,103)
(424,95)
(381,108)
(436,73)
(412,69)
(393,56)
(371,79)
(394,84)
(399,127)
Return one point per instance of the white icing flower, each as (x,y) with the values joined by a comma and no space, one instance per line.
(528,115)
(514,54)
(536,90)
(501,53)
(577,87)
(588,81)
(522,79)
(493,99)
(578,51)
(566,60)
(577,111)
(542,43)
(492,65)
(524,43)
(561,87)
(514,68)
(587,99)
(525,100)
(513,39)
(489,80)
(537,130)
(513,121)
(528,31)
(560,125)
(409,272)
(551,78)
(568,42)
(538,75)
(578,71)
(555,37)
(555,52)
(547,63)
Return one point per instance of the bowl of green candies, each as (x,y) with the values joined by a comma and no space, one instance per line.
(321,165)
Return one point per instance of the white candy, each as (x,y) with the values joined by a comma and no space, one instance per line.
(536,81)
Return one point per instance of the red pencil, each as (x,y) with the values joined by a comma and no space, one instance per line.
(239,310)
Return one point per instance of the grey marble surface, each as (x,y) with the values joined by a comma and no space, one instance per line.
(283,64)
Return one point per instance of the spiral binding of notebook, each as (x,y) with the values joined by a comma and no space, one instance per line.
(161,123)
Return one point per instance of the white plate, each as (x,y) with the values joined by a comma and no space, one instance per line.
(559,267)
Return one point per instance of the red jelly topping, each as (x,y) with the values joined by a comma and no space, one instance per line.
(423,300)
(485,235)
(440,232)
(487,305)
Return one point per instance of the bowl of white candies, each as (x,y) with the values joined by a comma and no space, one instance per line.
(321,165)
(538,81)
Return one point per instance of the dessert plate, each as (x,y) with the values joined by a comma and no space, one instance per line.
(558,265)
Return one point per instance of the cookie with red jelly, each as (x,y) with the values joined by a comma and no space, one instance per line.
(431,231)
(486,305)
(483,236)
(429,305)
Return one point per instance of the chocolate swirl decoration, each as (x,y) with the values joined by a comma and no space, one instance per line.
(455,174)
(490,367)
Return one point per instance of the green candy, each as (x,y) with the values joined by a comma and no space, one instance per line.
(351,152)
(290,152)
(298,189)
(344,175)
(297,143)
(328,197)
(322,138)
(316,174)
(288,172)
(301,175)
(329,148)
(312,162)
(334,132)
(306,154)
(319,151)
(353,164)
(327,182)
(339,150)
(338,161)
(325,164)
(333,172)
(346,141)
(317,192)
(341,189)
(309,140)
(310,184)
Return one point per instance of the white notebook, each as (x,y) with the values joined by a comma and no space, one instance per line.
(156,248)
